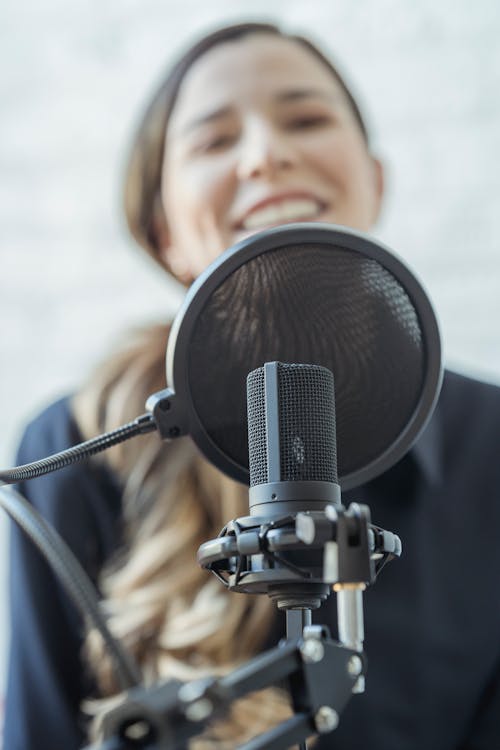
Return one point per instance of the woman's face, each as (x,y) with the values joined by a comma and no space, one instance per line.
(261,134)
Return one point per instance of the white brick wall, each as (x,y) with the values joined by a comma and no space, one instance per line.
(73,77)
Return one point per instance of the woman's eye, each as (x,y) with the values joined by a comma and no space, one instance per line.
(217,143)
(309,121)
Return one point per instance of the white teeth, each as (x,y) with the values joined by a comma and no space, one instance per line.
(296,209)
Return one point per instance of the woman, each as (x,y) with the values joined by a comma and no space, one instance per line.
(251,129)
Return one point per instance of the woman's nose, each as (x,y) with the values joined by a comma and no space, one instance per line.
(264,152)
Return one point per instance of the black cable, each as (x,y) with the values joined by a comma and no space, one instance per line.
(139,426)
(72,576)
(53,548)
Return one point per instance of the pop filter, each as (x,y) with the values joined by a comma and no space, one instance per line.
(313,294)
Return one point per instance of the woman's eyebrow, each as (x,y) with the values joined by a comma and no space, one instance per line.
(296,94)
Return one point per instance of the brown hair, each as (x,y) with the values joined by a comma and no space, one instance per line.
(177,620)
(142,195)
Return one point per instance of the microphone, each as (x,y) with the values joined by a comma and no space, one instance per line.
(293,466)
(292,463)
(291,439)
(299,540)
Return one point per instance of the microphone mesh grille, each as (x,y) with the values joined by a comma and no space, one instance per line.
(306,421)
(308,450)
(257,444)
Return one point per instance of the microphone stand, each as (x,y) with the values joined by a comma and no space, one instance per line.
(166,716)
(298,542)
(297,620)
(320,675)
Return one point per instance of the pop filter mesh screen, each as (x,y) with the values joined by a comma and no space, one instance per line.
(311,304)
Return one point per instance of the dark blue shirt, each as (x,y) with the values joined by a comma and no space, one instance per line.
(432,619)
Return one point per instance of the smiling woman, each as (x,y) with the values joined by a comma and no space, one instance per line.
(242,94)
(250,129)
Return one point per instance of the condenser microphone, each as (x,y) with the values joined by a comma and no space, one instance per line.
(293,469)
(291,439)
(298,539)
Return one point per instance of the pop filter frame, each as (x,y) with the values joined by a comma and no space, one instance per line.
(199,296)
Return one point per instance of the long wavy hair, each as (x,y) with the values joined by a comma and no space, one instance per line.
(177,621)
(174,618)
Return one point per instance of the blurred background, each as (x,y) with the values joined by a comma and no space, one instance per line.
(73,79)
